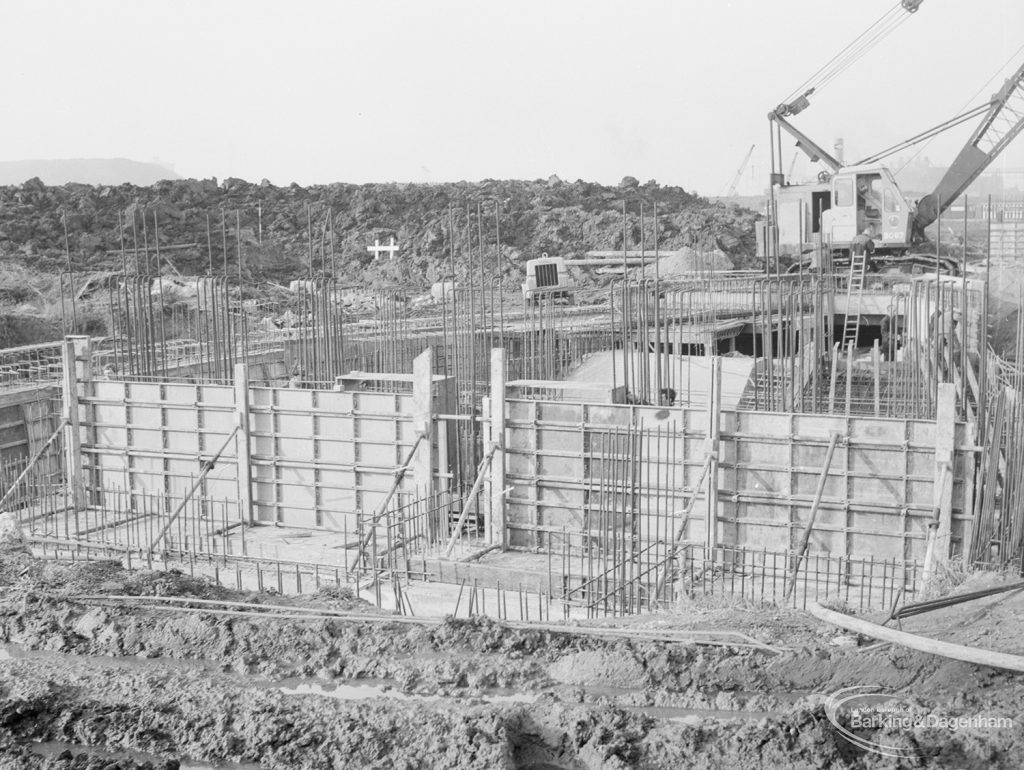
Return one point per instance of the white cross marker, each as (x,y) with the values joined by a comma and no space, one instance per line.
(377,249)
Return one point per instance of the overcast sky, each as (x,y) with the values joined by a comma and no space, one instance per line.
(412,90)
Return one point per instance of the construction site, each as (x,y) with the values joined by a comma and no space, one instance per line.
(641,510)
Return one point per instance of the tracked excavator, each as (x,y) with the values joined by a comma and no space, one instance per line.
(807,220)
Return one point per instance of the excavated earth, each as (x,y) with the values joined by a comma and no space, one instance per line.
(91,683)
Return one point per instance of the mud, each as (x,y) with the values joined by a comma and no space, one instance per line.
(170,686)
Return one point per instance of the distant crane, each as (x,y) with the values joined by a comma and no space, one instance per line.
(739,173)
(792,165)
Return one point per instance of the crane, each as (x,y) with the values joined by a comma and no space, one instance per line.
(848,200)
(792,165)
(739,173)
(1003,121)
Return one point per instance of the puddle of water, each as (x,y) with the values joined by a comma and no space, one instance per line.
(370,688)
(366,689)
(52,749)
(696,716)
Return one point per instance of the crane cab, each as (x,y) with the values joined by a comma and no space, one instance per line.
(837,210)
(867,198)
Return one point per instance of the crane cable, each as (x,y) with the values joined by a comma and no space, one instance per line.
(926,135)
(985,85)
(864,42)
(857,54)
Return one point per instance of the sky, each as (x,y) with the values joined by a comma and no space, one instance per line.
(448,90)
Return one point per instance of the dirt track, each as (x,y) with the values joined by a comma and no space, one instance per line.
(212,689)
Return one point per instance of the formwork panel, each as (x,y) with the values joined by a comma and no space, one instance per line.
(106,390)
(179,394)
(764,510)
(763,424)
(294,403)
(258,397)
(147,476)
(763,454)
(921,493)
(877,431)
(871,524)
(335,402)
(290,475)
(568,515)
(920,432)
(555,412)
(691,449)
(334,426)
(823,540)
(816,426)
(765,459)
(337,496)
(521,439)
(665,454)
(216,395)
(518,411)
(185,439)
(599,468)
(653,416)
(388,456)
(386,404)
(694,529)
(560,440)
(111,430)
(265,511)
(110,462)
(223,486)
(878,548)
(375,430)
(337,452)
(599,416)
(866,489)
(147,435)
(520,464)
(696,420)
(830,516)
(761,481)
(338,521)
(294,448)
(310,434)
(806,484)
(146,393)
(560,467)
(523,510)
(921,464)
(808,456)
(300,497)
(686,475)
(218,421)
(262,445)
(876,461)
(774,539)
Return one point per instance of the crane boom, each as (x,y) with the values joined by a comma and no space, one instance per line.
(739,173)
(1003,121)
(811,148)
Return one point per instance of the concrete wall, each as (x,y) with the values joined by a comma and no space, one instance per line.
(316,457)
(1007,239)
(878,497)
(28,417)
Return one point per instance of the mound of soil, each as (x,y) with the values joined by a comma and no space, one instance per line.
(171,684)
(17,330)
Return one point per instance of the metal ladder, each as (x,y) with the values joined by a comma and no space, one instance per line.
(854,292)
